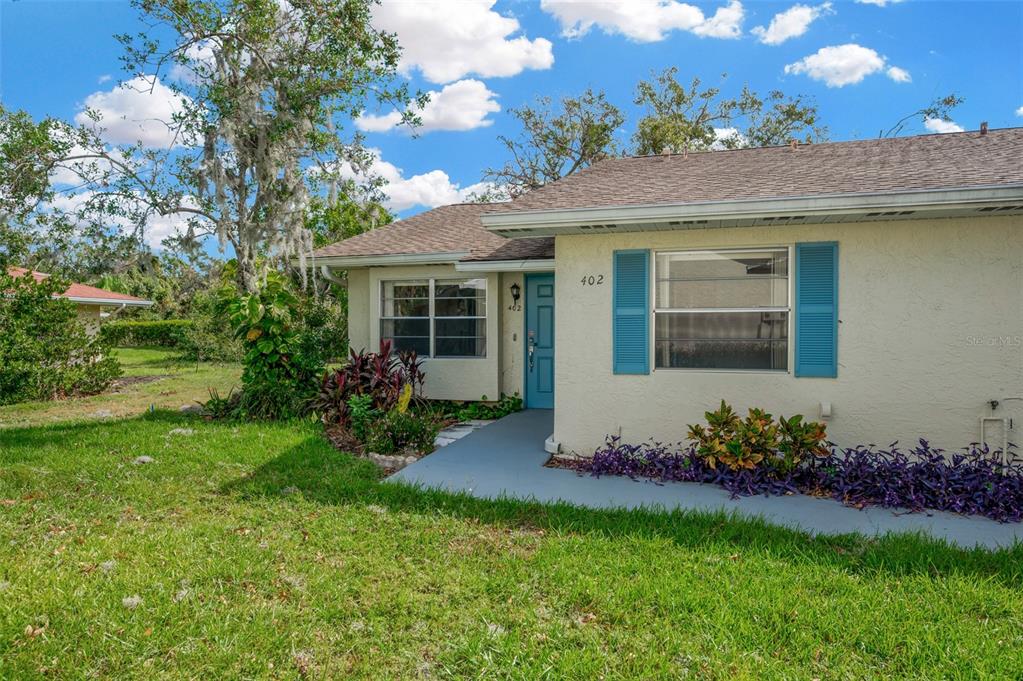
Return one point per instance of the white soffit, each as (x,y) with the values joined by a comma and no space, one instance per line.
(760,212)
(350,261)
(537,265)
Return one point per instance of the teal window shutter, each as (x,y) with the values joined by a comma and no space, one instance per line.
(631,324)
(817,310)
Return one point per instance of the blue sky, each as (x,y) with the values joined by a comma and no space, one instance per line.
(866,64)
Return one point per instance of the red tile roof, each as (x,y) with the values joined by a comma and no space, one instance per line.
(75,291)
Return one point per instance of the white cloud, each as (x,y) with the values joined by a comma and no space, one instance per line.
(429,189)
(878,3)
(138,110)
(157,228)
(721,135)
(463,105)
(898,75)
(1019,111)
(69,202)
(70,173)
(104,78)
(382,123)
(160,227)
(199,56)
(644,21)
(841,65)
(726,22)
(791,23)
(940,125)
(449,40)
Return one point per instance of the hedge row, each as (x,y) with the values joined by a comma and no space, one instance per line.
(165,333)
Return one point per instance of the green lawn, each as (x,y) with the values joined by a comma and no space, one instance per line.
(257,551)
(176,384)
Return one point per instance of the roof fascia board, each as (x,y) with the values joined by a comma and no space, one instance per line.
(348,261)
(108,301)
(836,204)
(535,265)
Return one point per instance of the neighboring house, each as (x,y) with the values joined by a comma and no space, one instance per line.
(89,299)
(877,285)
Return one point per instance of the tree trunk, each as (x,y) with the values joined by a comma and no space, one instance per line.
(248,278)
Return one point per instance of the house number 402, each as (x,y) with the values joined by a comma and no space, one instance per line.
(593,280)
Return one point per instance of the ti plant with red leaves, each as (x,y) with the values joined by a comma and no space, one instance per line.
(380,375)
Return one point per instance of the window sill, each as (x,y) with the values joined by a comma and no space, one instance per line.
(769,372)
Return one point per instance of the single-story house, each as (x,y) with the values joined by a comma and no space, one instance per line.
(90,300)
(875,284)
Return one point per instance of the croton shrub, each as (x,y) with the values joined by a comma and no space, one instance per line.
(758,455)
(756,441)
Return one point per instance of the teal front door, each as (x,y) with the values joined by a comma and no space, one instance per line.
(540,341)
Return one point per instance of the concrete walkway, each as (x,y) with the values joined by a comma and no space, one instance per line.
(506,459)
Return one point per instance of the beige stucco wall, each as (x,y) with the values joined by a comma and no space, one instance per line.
(358,309)
(89,316)
(512,324)
(931,329)
(446,379)
(462,379)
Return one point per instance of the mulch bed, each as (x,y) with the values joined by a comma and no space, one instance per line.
(342,439)
(576,465)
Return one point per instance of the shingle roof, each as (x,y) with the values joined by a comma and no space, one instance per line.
(80,290)
(955,160)
(448,229)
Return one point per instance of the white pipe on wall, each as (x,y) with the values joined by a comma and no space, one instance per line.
(328,274)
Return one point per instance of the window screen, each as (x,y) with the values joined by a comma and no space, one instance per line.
(722,309)
(436,317)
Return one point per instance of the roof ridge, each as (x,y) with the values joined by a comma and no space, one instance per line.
(75,289)
(405,221)
(932,161)
(827,143)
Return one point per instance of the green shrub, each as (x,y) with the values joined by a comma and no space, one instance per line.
(281,373)
(756,441)
(360,414)
(166,333)
(45,351)
(799,441)
(483,410)
(221,407)
(397,430)
(324,329)
(209,336)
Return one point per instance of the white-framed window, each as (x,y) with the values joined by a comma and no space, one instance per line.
(435,317)
(722,309)
(405,314)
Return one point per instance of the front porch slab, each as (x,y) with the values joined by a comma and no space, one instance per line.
(506,460)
